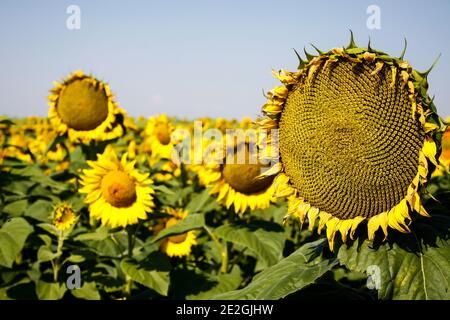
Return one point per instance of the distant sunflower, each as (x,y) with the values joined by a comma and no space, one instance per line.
(238,184)
(358,136)
(84,107)
(63,216)
(117,194)
(158,135)
(181,244)
(168,171)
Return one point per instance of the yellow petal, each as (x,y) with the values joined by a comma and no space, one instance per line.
(324,217)
(312,215)
(355,223)
(397,215)
(374,223)
(344,228)
(332,227)
(430,150)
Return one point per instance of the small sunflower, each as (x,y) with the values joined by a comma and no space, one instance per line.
(168,171)
(63,216)
(235,183)
(158,135)
(84,107)
(178,245)
(117,193)
(358,136)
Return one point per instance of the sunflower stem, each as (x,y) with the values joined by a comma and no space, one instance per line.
(55,263)
(131,236)
(90,151)
(224,266)
(223,249)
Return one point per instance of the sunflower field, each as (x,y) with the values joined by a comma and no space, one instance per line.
(340,189)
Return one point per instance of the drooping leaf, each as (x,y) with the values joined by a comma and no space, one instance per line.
(300,269)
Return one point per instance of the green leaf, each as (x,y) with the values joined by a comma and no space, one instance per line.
(55,142)
(224,282)
(50,291)
(163,189)
(88,292)
(16,208)
(265,239)
(403,274)
(45,254)
(199,202)
(49,228)
(300,269)
(41,210)
(35,174)
(153,273)
(46,239)
(13,235)
(76,258)
(99,235)
(407,266)
(192,221)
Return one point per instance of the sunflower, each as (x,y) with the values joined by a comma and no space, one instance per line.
(117,193)
(445,155)
(158,135)
(177,245)
(84,107)
(168,171)
(63,216)
(235,178)
(357,138)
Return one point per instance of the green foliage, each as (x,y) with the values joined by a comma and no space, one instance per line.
(264,239)
(192,221)
(256,255)
(13,235)
(411,266)
(152,273)
(300,269)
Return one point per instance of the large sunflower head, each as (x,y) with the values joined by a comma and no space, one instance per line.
(357,135)
(84,107)
(181,244)
(235,177)
(117,193)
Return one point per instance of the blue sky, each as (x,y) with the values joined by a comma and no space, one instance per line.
(200,58)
